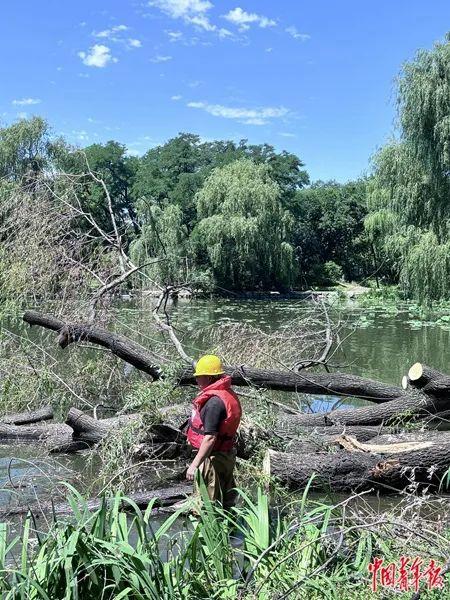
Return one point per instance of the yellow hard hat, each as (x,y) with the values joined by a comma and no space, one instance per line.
(208,365)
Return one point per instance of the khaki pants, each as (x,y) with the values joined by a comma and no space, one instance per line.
(217,472)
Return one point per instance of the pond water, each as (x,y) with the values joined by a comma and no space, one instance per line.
(379,343)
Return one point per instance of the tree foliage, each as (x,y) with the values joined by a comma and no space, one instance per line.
(329,227)
(408,194)
(243,231)
(217,213)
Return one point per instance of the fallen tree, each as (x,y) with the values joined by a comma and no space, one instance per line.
(24,418)
(346,471)
(429,380)
(335,384)
(56,433)
(161,497)
(121,346)
(412,406)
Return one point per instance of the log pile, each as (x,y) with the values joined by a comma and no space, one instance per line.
(323,440)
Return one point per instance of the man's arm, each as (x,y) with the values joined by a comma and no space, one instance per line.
(203,452)
(212,415)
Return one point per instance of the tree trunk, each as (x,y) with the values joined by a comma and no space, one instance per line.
(412,436)
(164,497)
(335,384)
(319,439)
(119,345)
(325,384)
(429,380)
(361,433)
(407,408)
(24,418)
(346,471)
(90,430)
(55,432)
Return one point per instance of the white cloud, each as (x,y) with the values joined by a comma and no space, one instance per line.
(133,152)
(202,21)
(175,98)
(192,12)
(81,135)
(287,134)
(174,36)
(293,31)
(26,101)
(182,8)
(98,56)
(249,116)
(134,43)
(243,19)
(22,115)
(160,59)
(110,33)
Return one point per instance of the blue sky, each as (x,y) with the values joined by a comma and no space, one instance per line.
(315,78)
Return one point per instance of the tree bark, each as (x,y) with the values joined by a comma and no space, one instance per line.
(164,497)
(361,433)
(410,407)
(39,432)
(90,430)
(429,380)
(119,345)
(412,436)
(335,384)
(319,439)
(326,384)
(24,418)
(346,471)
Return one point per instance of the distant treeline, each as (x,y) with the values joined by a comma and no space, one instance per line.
(238,216)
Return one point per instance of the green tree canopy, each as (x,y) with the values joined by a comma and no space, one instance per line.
(26,149)
(408,193)
(329,227)
(174,172)
(243,231)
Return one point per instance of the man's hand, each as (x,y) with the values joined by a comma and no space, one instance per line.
(190,473)
(203,452)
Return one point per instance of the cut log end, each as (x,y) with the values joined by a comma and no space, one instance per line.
(405,382)
(266,462)
(415,372)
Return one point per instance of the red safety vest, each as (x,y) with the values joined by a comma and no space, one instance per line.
(228,427)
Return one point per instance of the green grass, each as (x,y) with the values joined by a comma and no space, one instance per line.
(308,550)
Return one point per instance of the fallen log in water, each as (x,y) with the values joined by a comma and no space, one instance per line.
(24,418)
(335,384)
(413,406)
(162,497)
(324,384)
(121,346)
(40,432)
(345,471)
(429,380)
(90,430)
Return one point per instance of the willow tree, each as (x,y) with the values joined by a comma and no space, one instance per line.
(410,189)
(243,231)
(162,244)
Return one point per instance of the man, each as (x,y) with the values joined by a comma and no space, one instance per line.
(212,428)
